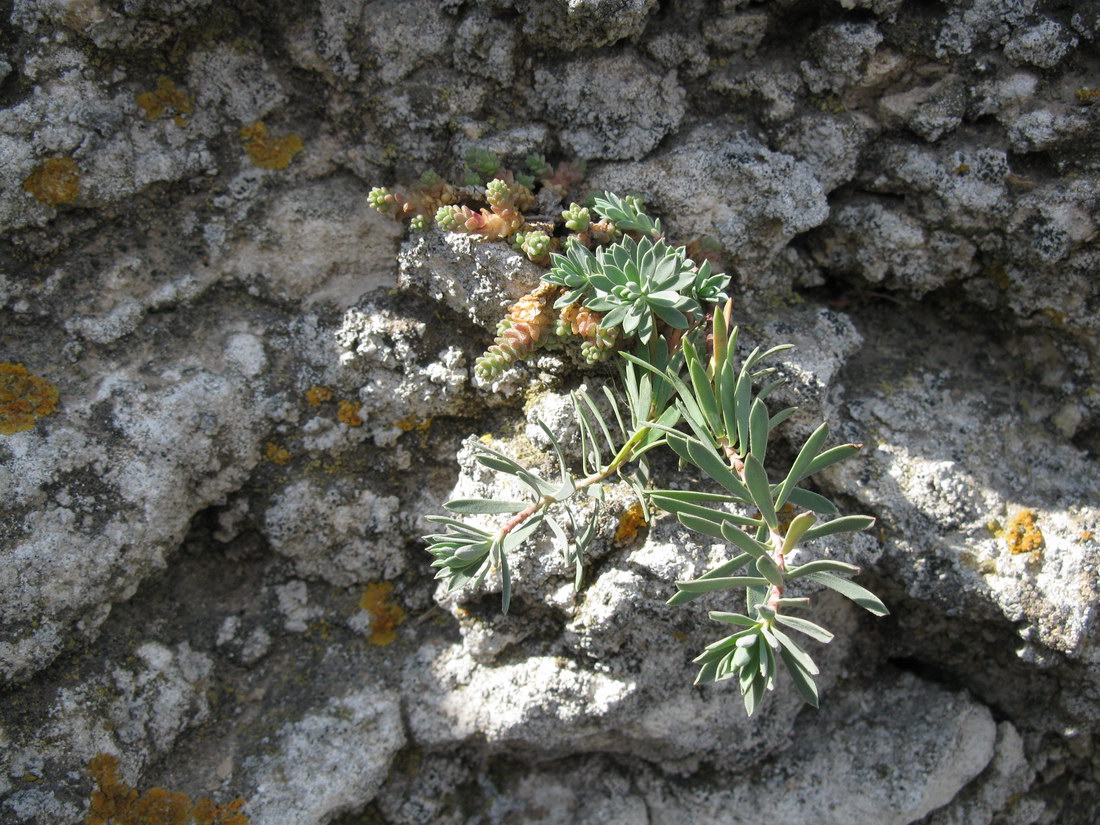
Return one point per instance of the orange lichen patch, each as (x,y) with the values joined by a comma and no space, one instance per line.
(166,101)
(347,412)
(413,423)
(962,169)
(116,803)
(318,395)
(269,152)
(1085,535)
(54,181)
(24,398)
(630,523)
(1022,534)
(385,615)
(276,453)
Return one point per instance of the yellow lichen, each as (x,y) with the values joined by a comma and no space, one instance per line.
(116,803)
(413,423)
(276,453)
(347,412)
(24,398)
(630,522)
(385,615)
(166,101)
(1088,95)
(318,395)
(269,152)
(54,181)
(1022,534)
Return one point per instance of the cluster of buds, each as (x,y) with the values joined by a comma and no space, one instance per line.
(490,225)
(593,233)
(507,199)
(419,204)
(526,326)
(536,245)
(576,217)
(598,342)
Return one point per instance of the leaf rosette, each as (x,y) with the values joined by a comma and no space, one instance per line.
(639,280)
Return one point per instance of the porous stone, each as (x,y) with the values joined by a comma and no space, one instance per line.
(331,761)
(730,187)
(614,108)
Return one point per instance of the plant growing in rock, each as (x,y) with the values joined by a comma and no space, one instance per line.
(681,387)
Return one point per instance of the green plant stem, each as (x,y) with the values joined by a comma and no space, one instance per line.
(624,456)
(775,592)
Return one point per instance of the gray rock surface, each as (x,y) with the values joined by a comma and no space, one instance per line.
(210,554)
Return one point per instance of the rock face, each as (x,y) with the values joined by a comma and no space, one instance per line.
(231,392)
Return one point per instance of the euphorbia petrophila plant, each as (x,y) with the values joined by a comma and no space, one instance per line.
(682,387)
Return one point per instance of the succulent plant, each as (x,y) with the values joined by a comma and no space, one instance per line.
(640,280)
(573,271)
(536,245)
(576,217)
(381,198)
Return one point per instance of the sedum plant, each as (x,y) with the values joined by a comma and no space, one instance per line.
(665,318)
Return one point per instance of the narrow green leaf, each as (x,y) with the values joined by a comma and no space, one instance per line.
(831,456)
(472,553)
(556,445)
(721,571)
(704,393)
(743,540)
(677,506)
(693,496)
(520,534)
(461,526)
(781,416)
(756,479)
(821,566)
(756,357)
(725,643)
(500,464)
(727,387)
(742,398)
(471,506)
(613,402)
(758,430)
(707,673)
(591,458)
(731,618)
(811,501)
(860,595)
(720,337)
(754,695)
(701,525)
(771,387)
(798,527)
(703,457)
(802,461)
(724,583)
(753,597)
(801,678)
(768,569)
(794,602)
(598,418)
(814,631)
(844,524)
(798,653)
